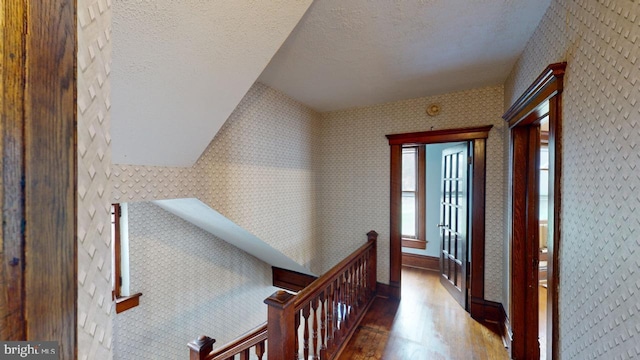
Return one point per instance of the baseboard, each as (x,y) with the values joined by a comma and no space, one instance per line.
(492,312)
(388,290)
(421,261)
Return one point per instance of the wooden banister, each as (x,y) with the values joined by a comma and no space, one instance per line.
(312,324)
(327,308)
(200,348)
(253,339)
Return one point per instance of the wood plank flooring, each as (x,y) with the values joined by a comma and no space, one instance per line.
(426,324)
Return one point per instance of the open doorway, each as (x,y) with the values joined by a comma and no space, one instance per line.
(476,138)
(435,212)
(535,119)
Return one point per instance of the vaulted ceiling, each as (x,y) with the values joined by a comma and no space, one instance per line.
(181,67)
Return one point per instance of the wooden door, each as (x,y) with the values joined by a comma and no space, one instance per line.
(453,221)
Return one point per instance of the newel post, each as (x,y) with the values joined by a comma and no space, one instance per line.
(281,326)
(200,348)
(372,236)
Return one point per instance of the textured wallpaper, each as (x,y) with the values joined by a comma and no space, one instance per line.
(95,308)
(354,172)
(192,284)
(258,172)
(599,255)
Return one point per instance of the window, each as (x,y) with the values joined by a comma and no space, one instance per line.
(413,197)
(120,260)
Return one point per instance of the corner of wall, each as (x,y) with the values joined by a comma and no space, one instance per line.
(95,308)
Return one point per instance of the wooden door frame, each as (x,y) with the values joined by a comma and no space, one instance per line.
(38,42)
(478,135)
(523,118)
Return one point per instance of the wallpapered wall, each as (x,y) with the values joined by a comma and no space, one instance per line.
(354,172)
(192,284)
(95,308)
(257,171)
(599,258)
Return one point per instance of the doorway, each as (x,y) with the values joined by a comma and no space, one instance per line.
(435,204)
(476,137)
(528,118)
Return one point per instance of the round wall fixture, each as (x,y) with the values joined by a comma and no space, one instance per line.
(433,109)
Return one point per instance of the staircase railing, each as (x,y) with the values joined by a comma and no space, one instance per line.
(313,324)
(201,349)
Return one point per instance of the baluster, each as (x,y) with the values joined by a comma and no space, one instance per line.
(354,287)
(372,236)
(244,355)
(322,310)
(358,301)
(305,336)
(361,290)
(331,318)
(315,327)
(347,298)
(343,301)
(260,349)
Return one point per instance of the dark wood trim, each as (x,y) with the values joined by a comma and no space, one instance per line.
(385,290)
(519,148)
(290,280)
(414,243)
(125,303)
(478,217)
(476,134)
(553,242)
(523,118)
(395,247)
(421,261)
(117,251)
(490,311)
(39,182)
(548,84)
(440,136)
(493,313)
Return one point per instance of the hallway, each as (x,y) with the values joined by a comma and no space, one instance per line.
(426,324)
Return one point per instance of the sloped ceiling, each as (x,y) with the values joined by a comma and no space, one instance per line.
(346,54)
(181,67)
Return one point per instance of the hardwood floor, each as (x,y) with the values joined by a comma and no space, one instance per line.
(542,321)
(426,324)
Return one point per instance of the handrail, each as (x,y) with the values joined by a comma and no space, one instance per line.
(325,313)
(317,286)
(255,338)
(318,321)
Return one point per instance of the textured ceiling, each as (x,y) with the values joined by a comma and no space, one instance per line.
(346,54)
(181,67)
